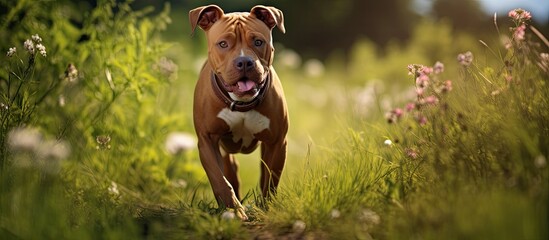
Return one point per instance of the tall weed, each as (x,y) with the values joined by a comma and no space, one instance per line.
(77,101)
(484,143)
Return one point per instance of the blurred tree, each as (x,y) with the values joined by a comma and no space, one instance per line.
(318,29)
(465,15)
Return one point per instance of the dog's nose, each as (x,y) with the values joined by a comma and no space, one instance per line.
(244,63)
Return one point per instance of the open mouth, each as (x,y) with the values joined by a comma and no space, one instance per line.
(244,87)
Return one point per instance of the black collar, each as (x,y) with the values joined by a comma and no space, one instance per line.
(239,106)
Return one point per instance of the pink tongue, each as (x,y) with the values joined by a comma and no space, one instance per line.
(245,86)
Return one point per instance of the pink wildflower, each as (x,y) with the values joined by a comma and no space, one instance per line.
(438,67)
(394,115)
(420,91)
(410,107)
(391,118)
(422,120)
(411,153)
(526,15)
(414,69)
(447,86)
(519,33)
(465,59)
(398,112)
(520,15)
(433,100)
(411,70)
(426,70)
(513,14)
(422,81)
(507,43)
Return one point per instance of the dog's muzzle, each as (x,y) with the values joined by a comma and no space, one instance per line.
(224,93)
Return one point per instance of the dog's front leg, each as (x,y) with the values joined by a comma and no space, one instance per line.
(273,157)
(208,144)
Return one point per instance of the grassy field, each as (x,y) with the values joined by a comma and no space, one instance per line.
(444,137)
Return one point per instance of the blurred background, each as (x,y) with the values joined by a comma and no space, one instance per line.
(323,29)
(337,55)
(339,60)
(114,94)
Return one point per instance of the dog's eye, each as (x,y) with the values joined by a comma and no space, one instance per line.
(223,44)
(258,43)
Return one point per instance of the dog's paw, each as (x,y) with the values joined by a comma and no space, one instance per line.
(239,210)
(241,213)
(233,213)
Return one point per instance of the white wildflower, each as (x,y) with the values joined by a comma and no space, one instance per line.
(228,215)
(108,75)
(103,141)
(166,67)
(299,226)
(314,68)
(52,149)
(71,73)
(179,183)
(388,142)
(36,38)
(370,217)
(62,100)
(50,154)
(113,189)
(335,214)
(540,161)
(178,142)
(29,45)
(32,150)
(3,107)
(544,62)
(11,51)
(289,59)
(41,49)
(24,139)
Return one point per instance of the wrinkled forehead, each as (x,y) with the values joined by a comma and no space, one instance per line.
(239,23)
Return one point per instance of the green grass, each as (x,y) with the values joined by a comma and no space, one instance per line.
(95,166)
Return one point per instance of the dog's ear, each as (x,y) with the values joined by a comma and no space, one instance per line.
(270,16)
(204,16)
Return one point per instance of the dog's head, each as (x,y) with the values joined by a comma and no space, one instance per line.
(240,45)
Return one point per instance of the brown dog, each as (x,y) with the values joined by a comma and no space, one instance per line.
(238,100)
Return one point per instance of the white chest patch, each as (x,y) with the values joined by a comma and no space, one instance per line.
(244,125)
